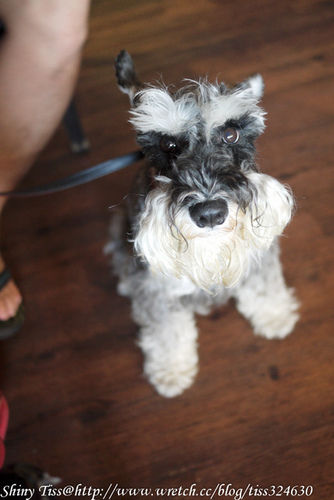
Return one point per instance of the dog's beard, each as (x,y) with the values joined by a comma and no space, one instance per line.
(212,256)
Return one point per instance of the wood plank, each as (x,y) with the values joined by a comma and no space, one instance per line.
(260,412)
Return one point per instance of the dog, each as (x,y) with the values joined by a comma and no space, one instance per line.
(202,223)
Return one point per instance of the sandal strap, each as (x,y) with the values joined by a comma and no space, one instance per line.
(5,276)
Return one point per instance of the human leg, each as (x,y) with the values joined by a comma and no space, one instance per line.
(40,55)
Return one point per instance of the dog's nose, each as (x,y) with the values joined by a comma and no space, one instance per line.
(209,213)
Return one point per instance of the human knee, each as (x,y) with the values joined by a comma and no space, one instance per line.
(59,27)
(65,33)
(66,41)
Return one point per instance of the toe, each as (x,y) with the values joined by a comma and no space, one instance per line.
(10,300)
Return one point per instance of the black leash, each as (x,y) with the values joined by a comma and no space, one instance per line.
(79,178)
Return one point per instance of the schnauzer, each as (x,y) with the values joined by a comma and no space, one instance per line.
(202,223)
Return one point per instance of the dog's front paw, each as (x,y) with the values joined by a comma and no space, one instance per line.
(170,381)
(278,321)
(170,351)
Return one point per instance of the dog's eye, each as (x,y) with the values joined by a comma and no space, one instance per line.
(168,145)
(231,135)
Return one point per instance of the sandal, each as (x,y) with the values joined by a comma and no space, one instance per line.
(12,325)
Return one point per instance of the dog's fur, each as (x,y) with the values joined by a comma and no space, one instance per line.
(202,224)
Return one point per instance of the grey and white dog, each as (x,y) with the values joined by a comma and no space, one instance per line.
(202,223)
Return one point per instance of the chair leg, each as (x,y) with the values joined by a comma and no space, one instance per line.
(71,120)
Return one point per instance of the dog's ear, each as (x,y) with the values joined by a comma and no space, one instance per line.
(126,75)
(256,85)
(253,86)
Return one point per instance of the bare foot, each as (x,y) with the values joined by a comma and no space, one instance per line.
(10,298)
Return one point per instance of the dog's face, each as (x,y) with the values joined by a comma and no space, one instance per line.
(209,209)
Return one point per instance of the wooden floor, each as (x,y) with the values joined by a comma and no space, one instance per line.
(260,412)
